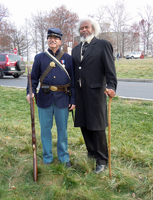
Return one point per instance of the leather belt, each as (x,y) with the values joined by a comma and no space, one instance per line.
(58,88)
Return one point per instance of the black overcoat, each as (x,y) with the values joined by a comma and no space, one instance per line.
(96,71)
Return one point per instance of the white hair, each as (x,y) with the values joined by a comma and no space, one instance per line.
(94,24)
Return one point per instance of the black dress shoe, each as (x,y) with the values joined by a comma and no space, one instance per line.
(68,164)
(99,169)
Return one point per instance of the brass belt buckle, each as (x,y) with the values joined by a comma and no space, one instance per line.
(53,88)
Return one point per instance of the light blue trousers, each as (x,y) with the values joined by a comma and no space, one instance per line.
(46,123)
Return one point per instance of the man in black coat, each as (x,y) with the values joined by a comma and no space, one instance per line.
(94,71)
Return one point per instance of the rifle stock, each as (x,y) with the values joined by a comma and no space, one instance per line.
(34,147)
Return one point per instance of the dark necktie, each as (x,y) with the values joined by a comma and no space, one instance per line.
(84,47)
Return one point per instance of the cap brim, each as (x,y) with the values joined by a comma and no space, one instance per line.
(54,34)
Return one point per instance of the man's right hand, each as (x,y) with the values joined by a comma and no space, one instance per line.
(28,97)
(111,93)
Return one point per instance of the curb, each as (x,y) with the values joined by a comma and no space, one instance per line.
(135,80)
(134,98)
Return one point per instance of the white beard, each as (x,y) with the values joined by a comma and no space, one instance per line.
(86,39)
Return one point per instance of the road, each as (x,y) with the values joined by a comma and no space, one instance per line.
(125,89)
(14,82)
(142,90)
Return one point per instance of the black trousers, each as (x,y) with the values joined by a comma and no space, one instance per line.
(96,144)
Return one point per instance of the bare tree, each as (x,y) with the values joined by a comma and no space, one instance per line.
(133,38)
(18,38)
(100,17)
(39,27)
(33,34)
(114,22)
(66,21)
(119,19)
(4,14)
(105,25)
(146,25)
(28,39)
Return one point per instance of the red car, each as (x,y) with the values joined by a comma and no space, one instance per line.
(11,65)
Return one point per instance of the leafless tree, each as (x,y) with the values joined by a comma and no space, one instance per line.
(4,38)
(4,14)
(65,20)
(133,42)
(38,26)
(146,25)
(10,36)
(18,38)
(119,19)
(114,22)
(28,39)
(105,26)
(33,33)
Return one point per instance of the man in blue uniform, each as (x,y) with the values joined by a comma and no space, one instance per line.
(54,96)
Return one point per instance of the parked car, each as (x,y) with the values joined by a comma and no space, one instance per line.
(11,65)
(133,55)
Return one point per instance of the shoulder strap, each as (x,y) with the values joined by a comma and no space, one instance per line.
(60,54)
(49,68)
(57,62)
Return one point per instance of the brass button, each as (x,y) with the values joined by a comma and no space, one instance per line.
(52,64)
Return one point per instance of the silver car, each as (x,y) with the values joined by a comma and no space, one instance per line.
(133,55)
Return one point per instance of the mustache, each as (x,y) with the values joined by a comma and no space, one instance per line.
(52,42)
(85,32)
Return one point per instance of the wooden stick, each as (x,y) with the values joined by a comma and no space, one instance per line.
(109,136)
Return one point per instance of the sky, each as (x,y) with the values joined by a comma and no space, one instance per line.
(20,10)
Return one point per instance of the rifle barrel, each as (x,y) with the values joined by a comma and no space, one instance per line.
(35,171)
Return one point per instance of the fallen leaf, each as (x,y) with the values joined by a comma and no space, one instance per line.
(133,195)
(7,137)
(13,187)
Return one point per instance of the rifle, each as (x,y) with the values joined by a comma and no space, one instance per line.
(35,172)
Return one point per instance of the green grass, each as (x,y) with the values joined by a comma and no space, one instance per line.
(136,68)
(131,153)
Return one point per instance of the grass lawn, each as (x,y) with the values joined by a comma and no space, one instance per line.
(131,153)
(136,68)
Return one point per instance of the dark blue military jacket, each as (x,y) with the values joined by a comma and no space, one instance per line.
(55,77)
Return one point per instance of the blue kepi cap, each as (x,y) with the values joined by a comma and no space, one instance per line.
(54,32)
